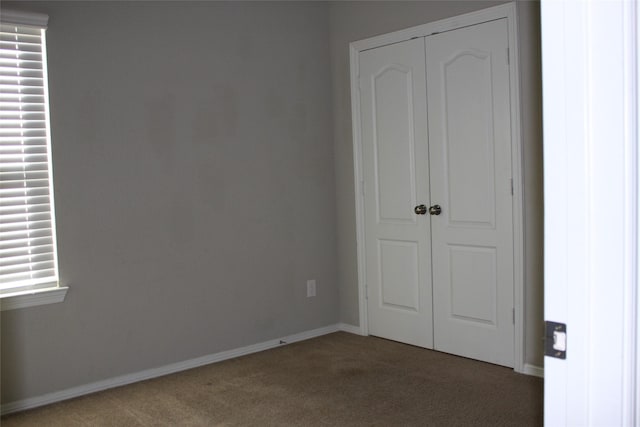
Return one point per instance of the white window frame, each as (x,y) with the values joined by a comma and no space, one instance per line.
(50,292)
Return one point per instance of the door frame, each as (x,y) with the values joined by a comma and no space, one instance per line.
(508,11)
(591,92)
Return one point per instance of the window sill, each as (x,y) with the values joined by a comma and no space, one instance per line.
(33,298)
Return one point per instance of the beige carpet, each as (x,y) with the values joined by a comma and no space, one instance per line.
(334,380)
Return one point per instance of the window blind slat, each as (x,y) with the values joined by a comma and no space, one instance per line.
(21,45)
(12,30)
(6,245)
(14,107)
(23,200)
(15,80)
(23,263)
(25,217)
(13,63)
(25,28)
(27,175)
(10,90)
(27,285)
(17,132)
(27,226)
(25,258)
(23,193)
(22,209)
(44,231)
(8,31)
(25,165)
(30,55)
(44,248)
(6,133)
(26,127)
(23,56)
(23,251)
(6,149)
(18,160)
(19,166)
(10,35)
(22,183)
(40,261)
(18,100)
(15,150)
(31,59)
(20,75)
(18,66)
(24,276)
(20,197)
(21,104)
(18,209)
(23,115)
(23,140)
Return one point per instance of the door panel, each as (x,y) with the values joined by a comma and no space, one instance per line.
(392,109)
(473,284)
(396,179)
(470,164)
(399,273)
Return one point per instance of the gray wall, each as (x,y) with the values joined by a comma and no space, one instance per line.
(351,21)
(194,152)
(194,183)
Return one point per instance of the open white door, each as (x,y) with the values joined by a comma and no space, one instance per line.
(589,56)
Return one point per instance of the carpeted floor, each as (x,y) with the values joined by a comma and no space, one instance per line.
(334,380)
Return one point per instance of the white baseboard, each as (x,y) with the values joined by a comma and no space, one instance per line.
(57,396)
(533,370)
(350,328)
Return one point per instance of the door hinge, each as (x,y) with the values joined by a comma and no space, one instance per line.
(513,316)
(555,339)
(511,186)
(362,188)
(508,56)
(366,291)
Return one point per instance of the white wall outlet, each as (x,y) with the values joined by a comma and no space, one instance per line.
(311,288)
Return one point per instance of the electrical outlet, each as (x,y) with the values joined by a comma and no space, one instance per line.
(311,288)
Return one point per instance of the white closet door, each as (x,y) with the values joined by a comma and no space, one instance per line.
(470,159)
(396,174)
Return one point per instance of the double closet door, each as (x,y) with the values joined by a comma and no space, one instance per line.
(436,153)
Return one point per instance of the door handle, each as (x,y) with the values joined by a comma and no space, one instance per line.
(420,209)
(435,210)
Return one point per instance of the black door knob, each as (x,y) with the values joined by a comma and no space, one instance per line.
(420,209)
(435,210)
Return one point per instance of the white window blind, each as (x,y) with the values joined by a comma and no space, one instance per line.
(28,257)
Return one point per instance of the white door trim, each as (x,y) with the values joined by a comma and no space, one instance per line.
(507,11)
(590,52)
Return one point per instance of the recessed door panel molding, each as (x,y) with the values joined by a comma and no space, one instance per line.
(468,138)
(399,275)
(438,188)
(393,143)
(473,276)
